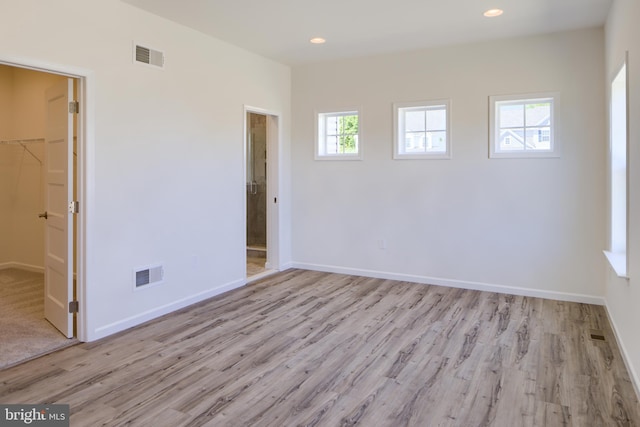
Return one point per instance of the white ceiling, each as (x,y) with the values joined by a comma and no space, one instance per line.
(281,29)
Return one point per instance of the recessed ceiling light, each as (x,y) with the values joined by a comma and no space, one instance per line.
(492,13)
(317,40)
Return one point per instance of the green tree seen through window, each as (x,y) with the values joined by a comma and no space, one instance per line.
(348,134)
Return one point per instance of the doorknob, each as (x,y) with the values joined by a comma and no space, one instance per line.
(43,215)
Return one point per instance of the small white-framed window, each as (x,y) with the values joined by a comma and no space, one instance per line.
(523,125)
(421,130)
(338,135)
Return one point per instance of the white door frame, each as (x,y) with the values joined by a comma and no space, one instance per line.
(274,141)
(85,132)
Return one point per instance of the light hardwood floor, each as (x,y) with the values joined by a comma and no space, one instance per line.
(319,349)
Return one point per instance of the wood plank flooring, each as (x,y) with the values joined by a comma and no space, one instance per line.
(304,348)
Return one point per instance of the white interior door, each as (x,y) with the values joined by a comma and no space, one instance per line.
(58,195)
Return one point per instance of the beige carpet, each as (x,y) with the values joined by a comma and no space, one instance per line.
(24,332)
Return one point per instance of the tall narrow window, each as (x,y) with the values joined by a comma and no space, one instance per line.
(617,254)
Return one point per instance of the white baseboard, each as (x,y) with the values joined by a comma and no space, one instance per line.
(140,318)
(286,266)
(452,283)
(21,266)
(261,275)
(635,380)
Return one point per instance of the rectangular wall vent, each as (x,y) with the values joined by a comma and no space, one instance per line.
(148,56)
(148,276)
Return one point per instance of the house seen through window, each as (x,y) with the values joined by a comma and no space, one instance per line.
(523,126)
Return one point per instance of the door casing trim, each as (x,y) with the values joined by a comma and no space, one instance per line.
(85,177)
(274,142)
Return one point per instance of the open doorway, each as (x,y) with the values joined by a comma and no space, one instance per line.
(256,168)
(261,175)
(26,158)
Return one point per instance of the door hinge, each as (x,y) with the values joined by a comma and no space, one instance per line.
(74,207)
(74,306)
(74,107)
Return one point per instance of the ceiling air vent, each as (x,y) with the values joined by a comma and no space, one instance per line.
(145,55)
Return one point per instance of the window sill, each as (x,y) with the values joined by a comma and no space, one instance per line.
(541,154)
(340,157)
(422,156)
(618,261)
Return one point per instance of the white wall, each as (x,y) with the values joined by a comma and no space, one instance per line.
(24,191)
(29,112)
(534,226)
(166,178)
(622,296)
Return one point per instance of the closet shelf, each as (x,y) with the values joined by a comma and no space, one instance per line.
(22,141)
